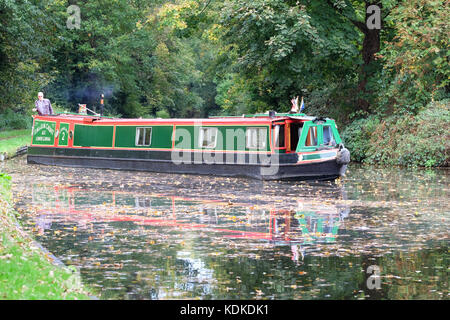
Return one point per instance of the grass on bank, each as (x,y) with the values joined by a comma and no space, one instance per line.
(25,272)
(12,139)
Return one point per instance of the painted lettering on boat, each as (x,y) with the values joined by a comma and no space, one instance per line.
(44,132)
(45,126)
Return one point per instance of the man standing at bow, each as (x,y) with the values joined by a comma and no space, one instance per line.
(43,106)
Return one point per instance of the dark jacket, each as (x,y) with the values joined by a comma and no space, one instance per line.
(44,107)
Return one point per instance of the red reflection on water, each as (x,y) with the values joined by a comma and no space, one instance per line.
(280,225)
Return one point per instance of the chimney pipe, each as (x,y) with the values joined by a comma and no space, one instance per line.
(101,104)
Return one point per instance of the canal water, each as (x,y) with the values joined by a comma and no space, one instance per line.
(378,233)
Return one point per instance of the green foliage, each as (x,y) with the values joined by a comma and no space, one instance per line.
(163,114)
(421,140)
(236,95)
(13,120)
(416,59)
(357,136)
(11,140)
(5,185)
(25,32)
(4,176)
(142,56)
(108,54)
(285,49)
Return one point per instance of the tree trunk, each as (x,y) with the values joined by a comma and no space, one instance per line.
(371,45)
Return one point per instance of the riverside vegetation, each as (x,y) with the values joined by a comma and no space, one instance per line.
(27,272)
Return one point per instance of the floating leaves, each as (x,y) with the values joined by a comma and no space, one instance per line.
(190,236)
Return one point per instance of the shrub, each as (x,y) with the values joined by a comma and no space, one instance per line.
(15,120)
(162,114)
(357,137)
(421,140)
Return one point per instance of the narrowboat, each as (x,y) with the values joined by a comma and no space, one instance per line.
(267,146)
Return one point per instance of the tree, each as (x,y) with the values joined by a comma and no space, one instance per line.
(416,58)
(109,54)
(292,48)
(183,79)
(25,35)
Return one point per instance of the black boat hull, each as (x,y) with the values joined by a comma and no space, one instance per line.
(243,165)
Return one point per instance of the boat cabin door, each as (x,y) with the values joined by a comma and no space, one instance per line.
(293,130)
(287,135)
(63,134)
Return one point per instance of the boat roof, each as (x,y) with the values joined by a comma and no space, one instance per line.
(253,119)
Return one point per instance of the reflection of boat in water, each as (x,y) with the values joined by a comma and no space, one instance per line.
(305,224)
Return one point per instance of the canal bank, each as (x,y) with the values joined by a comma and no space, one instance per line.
(27,270)
(13,143)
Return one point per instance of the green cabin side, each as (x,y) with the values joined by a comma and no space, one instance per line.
(100,136)
(280,135)
(305,136)
(239,138)
(154,136)
(314,135)
(246,138)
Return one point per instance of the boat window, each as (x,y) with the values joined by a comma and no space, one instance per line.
(208,138)
(256,138)
(279,136)
(311,138)
(143,136)
(328,138)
